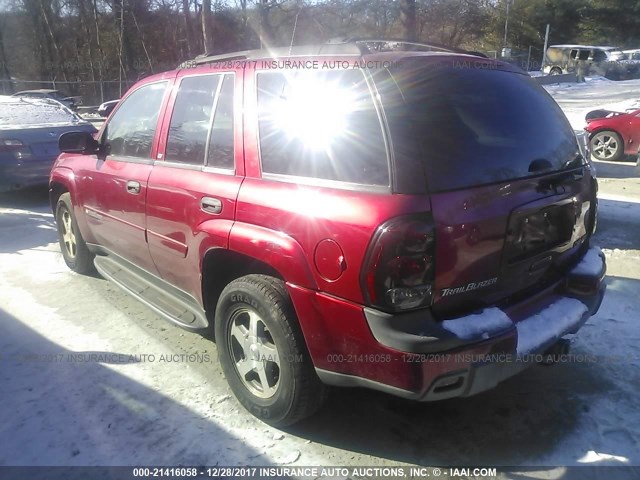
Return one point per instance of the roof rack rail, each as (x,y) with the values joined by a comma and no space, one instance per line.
(297,50)
(347,46)
(392,44)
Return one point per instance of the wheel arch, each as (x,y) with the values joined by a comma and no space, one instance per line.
(56,190)
(220,266)
(604,128)
(62,180)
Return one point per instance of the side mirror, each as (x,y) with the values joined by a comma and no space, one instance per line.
(78,142)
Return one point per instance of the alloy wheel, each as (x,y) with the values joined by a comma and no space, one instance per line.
(605,146)
(69,234)
(254,353)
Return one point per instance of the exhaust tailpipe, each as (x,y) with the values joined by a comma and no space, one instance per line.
(555,352)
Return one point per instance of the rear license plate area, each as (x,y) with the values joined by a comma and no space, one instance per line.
(531,233)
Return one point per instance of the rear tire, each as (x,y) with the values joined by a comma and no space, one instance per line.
(607,145)
(555,71)
(74,250)
(262,351)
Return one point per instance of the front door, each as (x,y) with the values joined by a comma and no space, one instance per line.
(117,185)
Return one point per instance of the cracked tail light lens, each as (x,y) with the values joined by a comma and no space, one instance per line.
(400,266)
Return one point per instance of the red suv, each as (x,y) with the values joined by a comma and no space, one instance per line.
(411,222)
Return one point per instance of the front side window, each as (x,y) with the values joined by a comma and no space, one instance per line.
(130,131)
(321,125)
(190,120)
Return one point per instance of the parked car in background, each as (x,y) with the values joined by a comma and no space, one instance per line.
(29,133)
(633,55)
(105,109)
(374,222)
(71,102)
(613,134)
(589,60)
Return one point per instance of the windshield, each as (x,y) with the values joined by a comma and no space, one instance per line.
(29,114)
(475,124)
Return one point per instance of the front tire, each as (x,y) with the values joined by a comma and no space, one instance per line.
(74,250)
(607,145)
(262,351)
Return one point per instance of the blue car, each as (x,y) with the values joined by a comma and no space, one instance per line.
(29,133)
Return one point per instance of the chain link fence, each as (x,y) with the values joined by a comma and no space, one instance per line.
(93,93)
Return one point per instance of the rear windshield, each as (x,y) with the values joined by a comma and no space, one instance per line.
(28,114)
(479,125)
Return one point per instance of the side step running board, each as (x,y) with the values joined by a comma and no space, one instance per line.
(175,306)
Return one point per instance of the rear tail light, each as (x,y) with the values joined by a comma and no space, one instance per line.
(10,145)
(400,265)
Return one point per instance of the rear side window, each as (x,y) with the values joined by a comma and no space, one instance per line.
(322,125)
(476,126)
(202,115)
(220,153)
(130,131)
(190,120)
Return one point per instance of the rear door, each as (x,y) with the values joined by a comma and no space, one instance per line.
(192,193)
(115,186)
(510,192)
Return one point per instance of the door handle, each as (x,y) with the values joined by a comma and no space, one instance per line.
(211,205)
(133,187)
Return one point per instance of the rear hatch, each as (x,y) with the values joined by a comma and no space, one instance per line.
(511,194)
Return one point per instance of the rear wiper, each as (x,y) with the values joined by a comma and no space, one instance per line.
(577,161)
(540,165)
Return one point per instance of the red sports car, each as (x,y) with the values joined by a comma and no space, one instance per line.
(613,134)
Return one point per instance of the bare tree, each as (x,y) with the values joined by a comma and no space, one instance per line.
(266,32)
(408,19)
(244,20)
(88,40)
(142,41)
(45,11)
(188,24)
(101,57)
(5,76)
(207,31)
(453,22)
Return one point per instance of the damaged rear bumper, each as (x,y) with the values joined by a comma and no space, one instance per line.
(471,354)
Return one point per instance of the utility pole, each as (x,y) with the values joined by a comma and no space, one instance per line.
(546,45)
(506,25)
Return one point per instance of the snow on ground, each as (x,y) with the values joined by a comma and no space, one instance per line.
(83,385)
(578,99)
(89,376)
